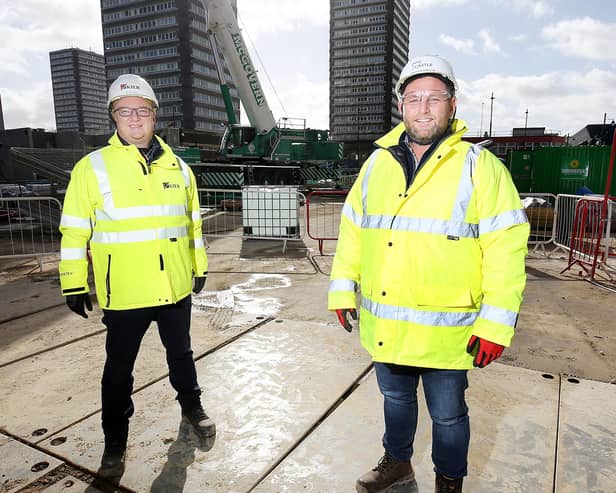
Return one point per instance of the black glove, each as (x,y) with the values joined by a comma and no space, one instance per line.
(76,303)
(199,283)
(344,319)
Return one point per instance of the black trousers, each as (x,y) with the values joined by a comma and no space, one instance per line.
(125,330)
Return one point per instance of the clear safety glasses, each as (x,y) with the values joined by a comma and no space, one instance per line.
(434,98)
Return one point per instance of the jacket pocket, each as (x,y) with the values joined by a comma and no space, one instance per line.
(449,296)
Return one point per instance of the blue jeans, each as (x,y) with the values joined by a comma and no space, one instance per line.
(444,392)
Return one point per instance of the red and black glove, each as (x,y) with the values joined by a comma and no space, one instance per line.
(485,351)
(343,318)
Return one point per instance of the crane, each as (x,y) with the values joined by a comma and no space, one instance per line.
(264,142)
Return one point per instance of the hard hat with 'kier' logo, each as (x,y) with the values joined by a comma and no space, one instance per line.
(130,85)
(426,65)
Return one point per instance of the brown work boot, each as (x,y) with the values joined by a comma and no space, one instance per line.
(446,485)
(387,473)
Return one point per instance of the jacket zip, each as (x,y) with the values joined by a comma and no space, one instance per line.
(162,263)
(108,280)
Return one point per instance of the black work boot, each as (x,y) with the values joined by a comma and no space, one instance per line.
(388,473)
(112,463)
(201,422)
(445,485)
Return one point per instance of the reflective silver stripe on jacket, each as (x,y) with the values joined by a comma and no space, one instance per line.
(456,225)
(342,285)
(137,236)
(347,210)
(140,211)
(465,191)
(366,180)
(196,243)
(74,222)
(498,315)
(73,254)
(421,225)
(111,213)
(185,171)
(405,314)
(502,221)
(196,215)
(98,165)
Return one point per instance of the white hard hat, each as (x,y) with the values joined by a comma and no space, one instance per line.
(426,65)
(130,85)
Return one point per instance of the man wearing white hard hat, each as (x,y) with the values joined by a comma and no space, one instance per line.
(135,205)
(433,237)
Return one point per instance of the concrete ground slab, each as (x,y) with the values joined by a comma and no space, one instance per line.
(231,262)
(41,331)
(513,419)
(21,465)
(35,290)
(586,440)
(70,484)
(64,383)
(264,391)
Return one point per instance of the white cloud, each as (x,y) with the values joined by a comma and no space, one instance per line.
(40,26)
(562,101)
(583,37)
(30,106)
(303,98)
(462,45)
(285,16)
(537,8)
(29,30)
(489,44)
(428,4)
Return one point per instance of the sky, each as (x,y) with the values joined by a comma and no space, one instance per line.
(548,63)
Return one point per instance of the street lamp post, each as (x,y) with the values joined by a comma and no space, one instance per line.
(526,122)
(491,110)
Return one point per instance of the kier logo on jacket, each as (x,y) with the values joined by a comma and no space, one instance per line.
(167,185)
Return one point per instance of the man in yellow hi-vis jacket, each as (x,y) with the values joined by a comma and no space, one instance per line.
(136,205)
(433,235)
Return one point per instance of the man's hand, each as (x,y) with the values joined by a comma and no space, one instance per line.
(199,283)
(77,302)
(343,317)
(486,351)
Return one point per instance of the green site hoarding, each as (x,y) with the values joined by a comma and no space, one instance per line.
(564,170)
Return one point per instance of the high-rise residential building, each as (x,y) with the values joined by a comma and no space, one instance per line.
(166,43)
(79,91)
(368,47)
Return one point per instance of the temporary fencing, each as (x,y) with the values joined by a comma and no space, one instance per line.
(29,227)
(323,209)
(590,246)
(541,212)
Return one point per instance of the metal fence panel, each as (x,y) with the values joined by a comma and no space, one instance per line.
(29,227)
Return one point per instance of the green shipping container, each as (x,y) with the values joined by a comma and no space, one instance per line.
(561,169)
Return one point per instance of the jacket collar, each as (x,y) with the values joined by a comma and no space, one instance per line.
(392,138)
(158,148)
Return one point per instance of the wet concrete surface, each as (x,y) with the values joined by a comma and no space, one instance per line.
(293,394)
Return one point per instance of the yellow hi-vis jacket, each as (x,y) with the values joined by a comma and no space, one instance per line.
(142,223)
(437,262)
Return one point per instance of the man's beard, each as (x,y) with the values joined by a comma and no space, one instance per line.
(434,136)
